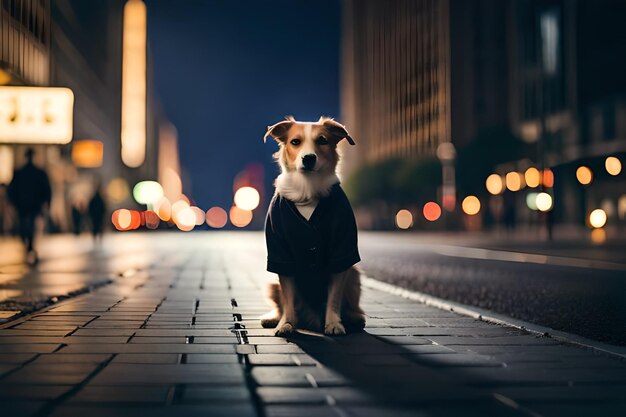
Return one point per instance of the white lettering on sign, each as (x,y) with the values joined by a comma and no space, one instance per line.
(36,115)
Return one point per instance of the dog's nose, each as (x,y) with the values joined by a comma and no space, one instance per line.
(308,161)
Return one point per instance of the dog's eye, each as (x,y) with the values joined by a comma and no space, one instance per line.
(321,141)
(295,142)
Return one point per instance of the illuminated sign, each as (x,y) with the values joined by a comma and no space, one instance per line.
(36,115)
(87,153)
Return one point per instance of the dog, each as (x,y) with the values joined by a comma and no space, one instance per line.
(311,233)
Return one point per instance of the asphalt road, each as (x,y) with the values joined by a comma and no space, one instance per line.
(583,293)
(568,285)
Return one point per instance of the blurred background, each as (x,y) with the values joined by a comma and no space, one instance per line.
(487,115)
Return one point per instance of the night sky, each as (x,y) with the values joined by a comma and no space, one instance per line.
(226,69)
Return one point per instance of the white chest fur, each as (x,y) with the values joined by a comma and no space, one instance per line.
(306,210)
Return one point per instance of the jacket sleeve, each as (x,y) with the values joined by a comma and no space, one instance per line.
(280,260)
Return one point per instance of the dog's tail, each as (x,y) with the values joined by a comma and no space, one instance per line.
(273,295)
(271,318)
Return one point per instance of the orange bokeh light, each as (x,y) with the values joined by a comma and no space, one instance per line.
(124,219)
(548,178)
(151,219)
(240,217)
(432,211)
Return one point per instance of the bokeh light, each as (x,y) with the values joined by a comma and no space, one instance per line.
(240,217)
(163,208)
(621,207)
(531,200)
(613,165)
(532,177)
(598,236)
(152,219)
(514,181)
(117,190)
(124,219)
(547,178)
(147,192)
(199,213)
(543,201)
(431,211)
(185,219)
(216,217)
(470,205)
(597,218)
(177,207)
(584,175)
(247,198)
(404,219)
(494,184)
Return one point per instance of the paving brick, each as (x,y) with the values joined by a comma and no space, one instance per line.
(147,358)
(57,358)
(204,394)
(147,348)
(124,394)
(148,374)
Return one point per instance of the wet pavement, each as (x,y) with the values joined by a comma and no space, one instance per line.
(178,334)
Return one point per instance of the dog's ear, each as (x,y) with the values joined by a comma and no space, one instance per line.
(336,130)
(279,130)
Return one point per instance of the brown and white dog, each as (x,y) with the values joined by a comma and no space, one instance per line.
(316,280)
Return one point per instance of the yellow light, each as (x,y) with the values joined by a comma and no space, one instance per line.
(598,236)
(36,115)
(87,153)
(621,207)
(117,190)
(471,205)
(597,218)
(247,198)
(240,217)
(5,77)
(532,177)
(543,201)
(494,184)
(613,165)
(134,84)
(147,192)
(584,175)
(514,181)
(404,219)
(6,164)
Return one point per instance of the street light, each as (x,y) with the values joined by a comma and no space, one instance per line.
(446,152)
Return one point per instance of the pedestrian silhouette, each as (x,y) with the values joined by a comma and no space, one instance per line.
(97,209)
(29,192)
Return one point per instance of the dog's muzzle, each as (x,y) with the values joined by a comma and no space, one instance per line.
(308,162)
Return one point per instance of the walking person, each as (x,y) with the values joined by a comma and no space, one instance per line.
(97,209)
(30,193)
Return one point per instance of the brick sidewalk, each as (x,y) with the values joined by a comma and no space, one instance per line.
(182,338)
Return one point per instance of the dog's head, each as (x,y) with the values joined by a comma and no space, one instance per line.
(308,147)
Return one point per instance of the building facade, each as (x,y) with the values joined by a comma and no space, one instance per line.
(78,45)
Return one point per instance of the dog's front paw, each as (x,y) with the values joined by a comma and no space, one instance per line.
(284,329)
(334,328)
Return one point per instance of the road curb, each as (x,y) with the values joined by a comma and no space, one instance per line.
(495,318)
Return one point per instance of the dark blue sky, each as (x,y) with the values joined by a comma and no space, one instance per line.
(226,69)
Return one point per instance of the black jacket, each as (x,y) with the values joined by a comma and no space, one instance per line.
(322,245)
(30,189)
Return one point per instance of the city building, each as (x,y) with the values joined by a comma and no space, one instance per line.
(544,78)
(44,43)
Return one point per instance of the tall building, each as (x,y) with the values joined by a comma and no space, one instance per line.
(418,73)
(395,78)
